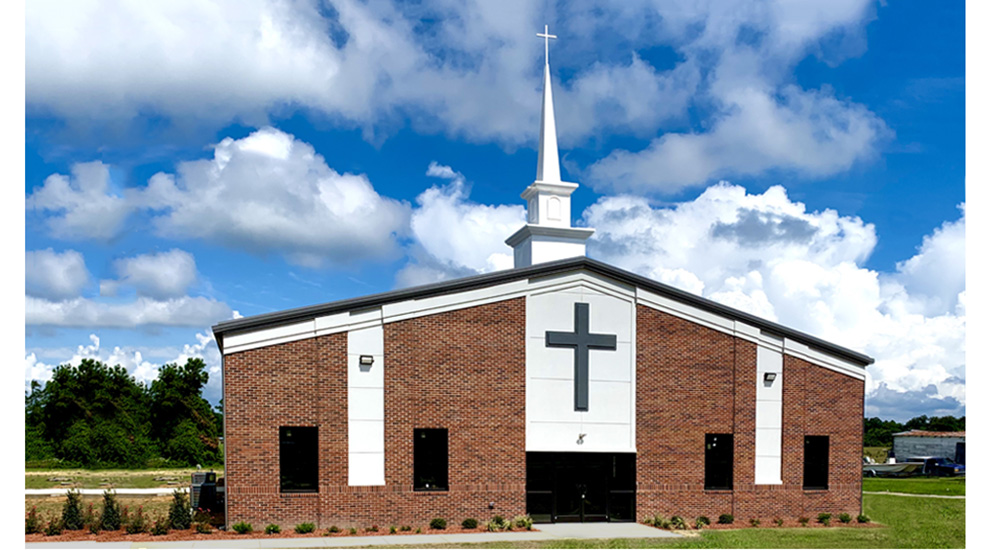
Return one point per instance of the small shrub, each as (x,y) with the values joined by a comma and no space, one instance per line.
(333,529)
(111,513)
(754,522)
(72,512)
(353,531)
(180,514)
(677,522)
(202,516)
(844,518)
(804,521)
(501,525)
(272,529)
(32,523)
(203,528)
(523,522)
(824,518)
(659,521)
(242,527)
(392,529)
(647,520)
(405,528)
(372,529)
(470,523)
(90,519)
(778,522)
(54,527)
(160,527)
(863,518)
(700,522)
(419,530)
(726,519)
(137,523)
(438,523)
(304,528)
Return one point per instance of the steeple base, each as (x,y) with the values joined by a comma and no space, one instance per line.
(535,244)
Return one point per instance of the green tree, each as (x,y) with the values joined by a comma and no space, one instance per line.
(183,422)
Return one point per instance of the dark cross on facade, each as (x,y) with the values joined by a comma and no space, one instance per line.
(582,341)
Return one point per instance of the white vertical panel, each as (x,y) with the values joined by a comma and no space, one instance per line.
(767,463)
(365,408)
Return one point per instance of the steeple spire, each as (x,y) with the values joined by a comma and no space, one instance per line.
(548,147)
(548,235)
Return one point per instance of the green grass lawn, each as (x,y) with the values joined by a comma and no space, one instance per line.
(99,479)
(917,485)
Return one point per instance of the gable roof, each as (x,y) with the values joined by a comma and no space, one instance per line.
(284,317)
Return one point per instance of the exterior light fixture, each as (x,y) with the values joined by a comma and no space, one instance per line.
(770,376)
(579,440)
(367,360)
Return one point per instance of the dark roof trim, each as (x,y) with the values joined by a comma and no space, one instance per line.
(550,268)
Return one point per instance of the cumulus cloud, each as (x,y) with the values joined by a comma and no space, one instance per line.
(83,205)
(160,276)
(142,363)
(54,275)
(267,193)
(454,236)
(471,70)
(184,311)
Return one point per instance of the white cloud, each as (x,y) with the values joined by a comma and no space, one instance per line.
(160,276)
(454,236)
(142,364)
(467,69)
(85,207)
(54,275)
(769,256)
(185,311)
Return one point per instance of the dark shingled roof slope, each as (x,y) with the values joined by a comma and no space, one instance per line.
(289,316)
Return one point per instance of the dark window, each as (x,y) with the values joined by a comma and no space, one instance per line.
(718,461)
(430,459)
(299,459)
(817,462)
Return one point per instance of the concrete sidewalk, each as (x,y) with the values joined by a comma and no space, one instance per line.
(544,532)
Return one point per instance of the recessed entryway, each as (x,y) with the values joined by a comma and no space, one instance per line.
(581,487)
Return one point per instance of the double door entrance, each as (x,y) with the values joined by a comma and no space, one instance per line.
(579,487)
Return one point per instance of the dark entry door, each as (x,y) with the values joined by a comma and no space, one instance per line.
(580,487)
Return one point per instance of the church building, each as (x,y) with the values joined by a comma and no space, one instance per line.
(564,388)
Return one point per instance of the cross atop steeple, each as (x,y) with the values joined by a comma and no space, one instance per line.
(546,36)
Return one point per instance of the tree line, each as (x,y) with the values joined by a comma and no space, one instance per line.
(878,432)
(97,416)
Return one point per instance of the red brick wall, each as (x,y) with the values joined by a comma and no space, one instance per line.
(461,370)
(692,380)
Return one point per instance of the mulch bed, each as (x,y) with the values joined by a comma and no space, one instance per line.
(258,533)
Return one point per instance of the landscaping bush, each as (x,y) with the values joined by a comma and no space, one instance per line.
(405,528)
(137,523)
(392,529)
(32,524)
(726,519)
(160,527)
(72,512)
(272,529)
(470,523)
(659,521)
(754,522)
(803,521)
(242,527)
(677,522)
(372,529)
(90,519)
(203,528)
(523,522)
(863,518)
(333,529)
(54,528)
(418,530)
(778,522)
(703,520)
(498,524)
(824,518)
(111,513)
(438,523)
(497,519)
(353,531)
(844,518)
(180,513)
(304,528)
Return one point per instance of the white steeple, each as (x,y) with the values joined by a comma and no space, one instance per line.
(548,235)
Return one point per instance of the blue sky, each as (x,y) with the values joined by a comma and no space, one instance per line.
(802,162)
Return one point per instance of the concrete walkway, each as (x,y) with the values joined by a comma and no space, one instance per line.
(544,532)
(912,494)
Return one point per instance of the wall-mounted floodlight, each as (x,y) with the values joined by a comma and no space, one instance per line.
(367,360)
(770,376)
